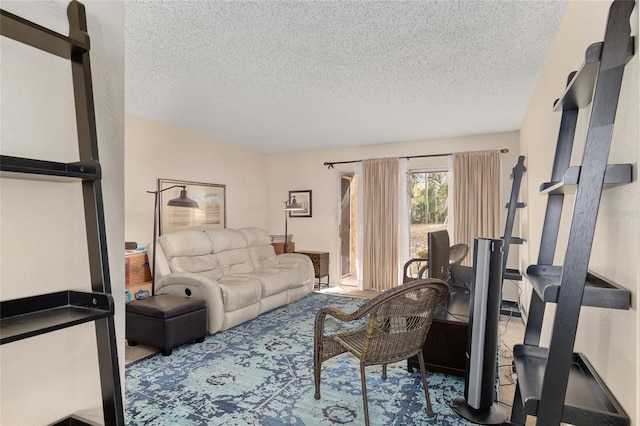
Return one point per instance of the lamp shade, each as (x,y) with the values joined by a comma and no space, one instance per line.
(183,201)
(292,205)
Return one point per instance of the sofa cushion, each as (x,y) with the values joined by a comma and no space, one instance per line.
(226,239)
(263,257)
(187,251)
(273,280)
(239,291)
(206,265)
(260,249)
(256,237)
(185,243)
(231,251)
(235,261)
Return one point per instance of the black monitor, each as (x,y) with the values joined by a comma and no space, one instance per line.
(438,244)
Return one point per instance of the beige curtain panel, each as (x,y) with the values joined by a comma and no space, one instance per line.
(380,218)
(476,204)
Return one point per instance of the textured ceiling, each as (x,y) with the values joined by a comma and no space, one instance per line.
(280,76)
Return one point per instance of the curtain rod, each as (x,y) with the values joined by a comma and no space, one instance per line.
(330,164)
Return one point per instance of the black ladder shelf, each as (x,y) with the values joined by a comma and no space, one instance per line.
(555,384)
(507,237)
(32,316)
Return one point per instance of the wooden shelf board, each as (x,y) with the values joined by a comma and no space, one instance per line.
(518,205)
(615,174)
(597,292)
(42,38)
(517,240)
(32,316)
(579,91)
(29,168)
(512,274)
(587,397)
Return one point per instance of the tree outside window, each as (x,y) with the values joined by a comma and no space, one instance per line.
(429,208)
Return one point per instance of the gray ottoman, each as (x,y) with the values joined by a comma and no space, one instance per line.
(166,321)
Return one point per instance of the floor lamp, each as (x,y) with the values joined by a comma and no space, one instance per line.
(289,206)
(181,201)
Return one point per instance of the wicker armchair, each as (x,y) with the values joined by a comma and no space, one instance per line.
(457,253)
(399,320)
(417,268)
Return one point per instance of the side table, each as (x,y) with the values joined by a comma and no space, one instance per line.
(320,260)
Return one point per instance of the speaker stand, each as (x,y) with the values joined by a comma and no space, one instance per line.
(494,415)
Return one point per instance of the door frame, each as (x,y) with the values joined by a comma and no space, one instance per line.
(349,275)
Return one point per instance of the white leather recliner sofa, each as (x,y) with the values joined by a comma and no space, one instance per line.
(236,271)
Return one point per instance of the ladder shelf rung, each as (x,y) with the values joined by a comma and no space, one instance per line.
(579,91)
(25,168)
(42,38)
(519,205)
(597,291)
(516,240)
(512,274)
(35,315)
(588,401)
(615,174)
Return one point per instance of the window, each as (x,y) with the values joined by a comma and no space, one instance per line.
(428,191)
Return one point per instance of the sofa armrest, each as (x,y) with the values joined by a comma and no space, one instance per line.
(198,286)
(293,258)
(301,263)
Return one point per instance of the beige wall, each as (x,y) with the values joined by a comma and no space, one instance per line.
(258,184)
(42,237)
(609,338)
(305,170)
(155,150)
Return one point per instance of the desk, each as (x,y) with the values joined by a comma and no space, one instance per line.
(446,346)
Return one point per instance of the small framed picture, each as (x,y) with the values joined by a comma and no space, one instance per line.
(304,199)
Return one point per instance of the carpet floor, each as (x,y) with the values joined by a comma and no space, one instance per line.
(261,373)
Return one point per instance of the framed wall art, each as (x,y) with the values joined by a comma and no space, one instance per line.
(210,212)
(303,198)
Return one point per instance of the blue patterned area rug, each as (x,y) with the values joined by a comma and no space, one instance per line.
(261,373)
